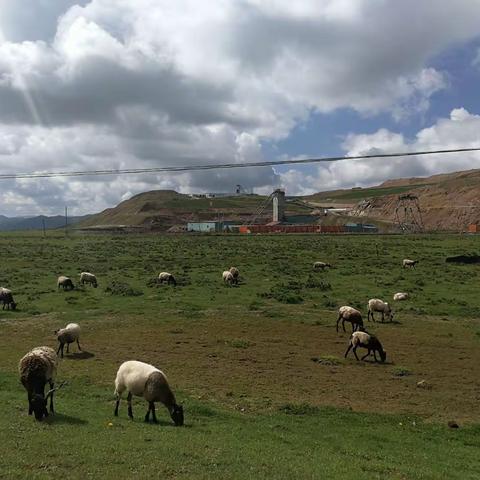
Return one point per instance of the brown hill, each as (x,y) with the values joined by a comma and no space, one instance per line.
(448,202)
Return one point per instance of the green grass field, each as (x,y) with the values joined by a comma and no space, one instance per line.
(259,368)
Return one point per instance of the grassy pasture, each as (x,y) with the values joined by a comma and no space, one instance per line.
(259,368)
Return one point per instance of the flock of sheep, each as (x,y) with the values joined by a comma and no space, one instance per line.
(360,337)
(39,366)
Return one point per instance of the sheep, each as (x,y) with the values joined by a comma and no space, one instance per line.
(350,314)
(228,277)
(65,282)
(370,342)
(147,381)
(236,274)
(409,263)
(6,298)
(68,335)
(321,266)
(90,278)
(401,296)
(377,305)
(168,278)
(36,368)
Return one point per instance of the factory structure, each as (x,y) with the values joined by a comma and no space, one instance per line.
(279,223)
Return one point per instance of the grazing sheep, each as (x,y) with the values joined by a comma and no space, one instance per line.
(36,368)
(90,278)
(236,274)
(321,265)
(6,298)
(350,314)
(377,305)
(228,277)
(166,277)
(68,335)
(65,282)
(401,296)
(409,263)
(370,342)
(144,380)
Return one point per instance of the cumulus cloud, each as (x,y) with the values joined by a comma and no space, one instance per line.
(141,83)
(459,130)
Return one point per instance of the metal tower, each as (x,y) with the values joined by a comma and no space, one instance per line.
(408,214)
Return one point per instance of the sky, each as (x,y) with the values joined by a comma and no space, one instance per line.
(107,84)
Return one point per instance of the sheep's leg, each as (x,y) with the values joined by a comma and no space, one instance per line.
(339,318)
(68,347)
(375,355)
(60,349)
(78,344)
(367,354)
(117,403)
(154,417)
(30,408)
(355,352)
(343,325)
(348,349)
(147,415)
(51,397)
(129,400)
(368,316)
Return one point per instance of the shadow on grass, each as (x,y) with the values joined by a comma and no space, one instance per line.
(61,418)
(84,355)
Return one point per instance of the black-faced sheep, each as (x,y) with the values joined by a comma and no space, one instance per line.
(377,305)
(350,314)
(86,277)
(68,335)
(36,368)
(165,277)
(400,296)
(144,380)
(370,342)
(228,277)
(321,266)
(6,298)
(236,274)
(409,263)
(65,283)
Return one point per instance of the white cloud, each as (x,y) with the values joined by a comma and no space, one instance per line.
(460,130)
(141,83)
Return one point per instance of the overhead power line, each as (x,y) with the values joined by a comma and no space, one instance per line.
(188,168)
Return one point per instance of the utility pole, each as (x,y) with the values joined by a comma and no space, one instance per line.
(66,220)
(43,228)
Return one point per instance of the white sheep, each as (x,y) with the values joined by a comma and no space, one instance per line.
(6,297)
(401,296)
(321,265)
(65,282)
(36,368)
(144,380)
(370,342)
(350,314)
(236,274)
(377,305)
(228,277)
(165,277)
(68,335)
(86,277)
(409,263)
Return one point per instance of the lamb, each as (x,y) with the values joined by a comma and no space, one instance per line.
(68,335)
(370,342)
(86,277)
(401,296)
(228,277)
(377,305)
(36,368)
(236,274)
(65,282)
(321,265)
(147,381)
(350,314)
(409,263)
(6,298)
(168,278)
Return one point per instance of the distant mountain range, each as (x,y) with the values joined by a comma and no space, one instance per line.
(8,224)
